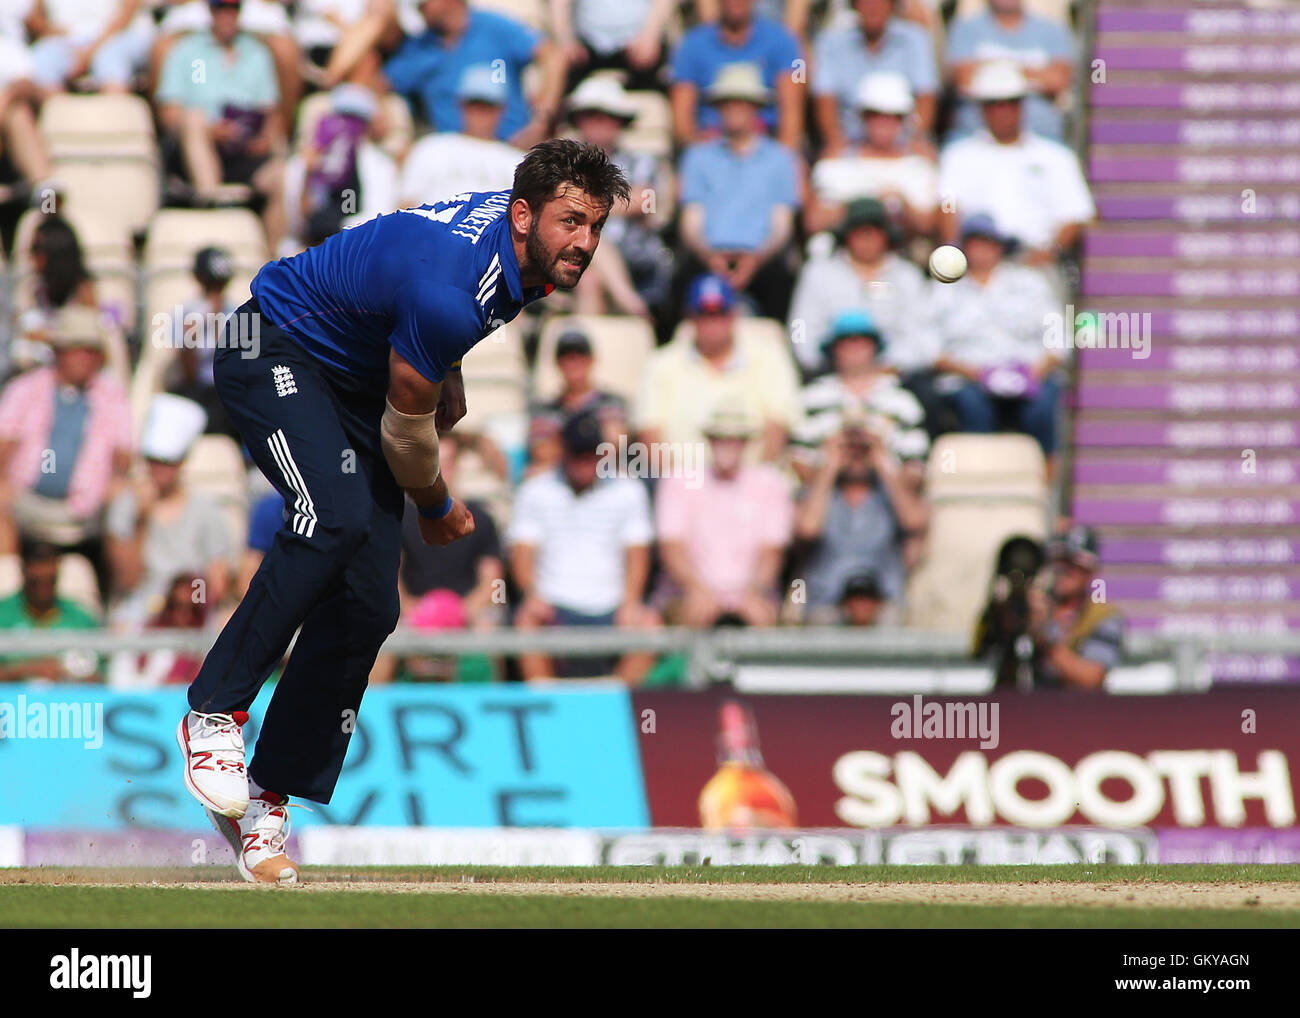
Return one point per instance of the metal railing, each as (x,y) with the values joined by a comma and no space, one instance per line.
(709,651)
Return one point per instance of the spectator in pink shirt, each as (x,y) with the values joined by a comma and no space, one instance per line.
(65,441)
(722,537)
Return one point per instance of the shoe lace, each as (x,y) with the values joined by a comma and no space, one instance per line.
(218,724)
(276,841)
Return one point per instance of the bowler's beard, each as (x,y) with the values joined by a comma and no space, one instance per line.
(549,264)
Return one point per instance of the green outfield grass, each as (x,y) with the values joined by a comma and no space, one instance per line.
(215,898)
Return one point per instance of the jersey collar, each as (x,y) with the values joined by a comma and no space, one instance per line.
(505,250)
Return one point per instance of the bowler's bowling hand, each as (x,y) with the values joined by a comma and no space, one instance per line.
(456,524)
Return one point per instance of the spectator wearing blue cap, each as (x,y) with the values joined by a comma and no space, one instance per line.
(444,163)
(998,373)
(859,387)
(713,364)
(739,195)
(429,65)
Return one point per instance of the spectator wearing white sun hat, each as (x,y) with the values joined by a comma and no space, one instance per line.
(881,165)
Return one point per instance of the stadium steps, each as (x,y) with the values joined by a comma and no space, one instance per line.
(1194,135)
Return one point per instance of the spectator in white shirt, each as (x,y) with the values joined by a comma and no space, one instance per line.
(1001,374)
(446,163)
(880,166)
(1031,186)
(580,552)
(864,272)
(74,38)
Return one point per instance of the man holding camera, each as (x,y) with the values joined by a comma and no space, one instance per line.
(854,516)
(1053,628)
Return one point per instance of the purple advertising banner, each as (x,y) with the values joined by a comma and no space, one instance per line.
(1193,434)
(1187,511)
(1194,134)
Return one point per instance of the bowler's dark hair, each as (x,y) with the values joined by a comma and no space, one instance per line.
(551,164)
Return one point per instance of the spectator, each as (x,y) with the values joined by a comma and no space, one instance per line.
(196,335)
(65,442)
(866,273)
(342,178)
(990,324)
(1076,639)
(105,40)
(578,395)
(722,537)
(739,194)
(37,605)
(320,25)
(448,162)
(456,586)
(626,36)
(717,366)
(60,279)
(456,37)
(20,140)
(738,38)
(580,553)
(182,608)
(842,57)
(1031,186)
(859,388)
(266,19)
(854,517)
(265,517)
(230,128)
(862,601)
(159,528)
(471,569)
(1041,48)
(599,110)
(880,166)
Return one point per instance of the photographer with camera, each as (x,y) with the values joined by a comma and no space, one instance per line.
(854,516)
(1047,628)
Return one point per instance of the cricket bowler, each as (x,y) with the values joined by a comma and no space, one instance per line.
(356,370)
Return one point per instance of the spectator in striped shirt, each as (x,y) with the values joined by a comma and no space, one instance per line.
(859,386)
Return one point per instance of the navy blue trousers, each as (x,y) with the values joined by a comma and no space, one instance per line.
(332,569)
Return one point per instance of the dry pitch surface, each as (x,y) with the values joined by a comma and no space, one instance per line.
(1160,896)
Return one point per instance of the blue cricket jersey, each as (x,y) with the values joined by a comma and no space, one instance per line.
(428,282)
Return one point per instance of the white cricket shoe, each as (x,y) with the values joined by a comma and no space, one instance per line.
(258,838)
(215,772)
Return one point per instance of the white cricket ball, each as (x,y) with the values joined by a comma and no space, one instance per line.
(947,263)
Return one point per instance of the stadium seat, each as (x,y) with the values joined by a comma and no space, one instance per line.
(982,489)
(100,126)
(176,235)
(215,467)
(652,130)
(621,345)
(124,192)
(498,357)
(76,581)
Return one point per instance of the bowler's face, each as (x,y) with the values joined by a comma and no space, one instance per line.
(562,238)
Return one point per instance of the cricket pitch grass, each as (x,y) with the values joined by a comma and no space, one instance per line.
(1080,896)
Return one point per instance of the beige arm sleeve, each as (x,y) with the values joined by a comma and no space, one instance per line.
(410,444)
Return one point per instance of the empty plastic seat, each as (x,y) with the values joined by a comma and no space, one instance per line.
(176,235)
(215,467)
(124,192)
(652,130)
(112,126)
(982,489)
